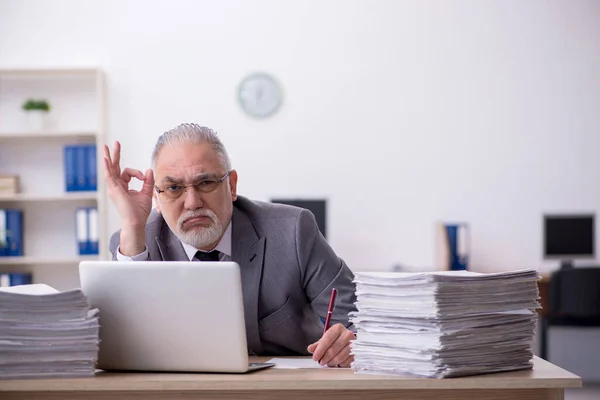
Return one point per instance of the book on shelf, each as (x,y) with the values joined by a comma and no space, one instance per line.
(9,184)
(86,230)
(11,232)
(80,168)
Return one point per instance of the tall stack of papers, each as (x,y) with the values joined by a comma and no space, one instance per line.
(45,333)
(444,324)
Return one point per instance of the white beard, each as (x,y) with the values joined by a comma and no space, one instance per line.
(200,236)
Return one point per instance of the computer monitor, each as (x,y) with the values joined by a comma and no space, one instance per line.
(568,237)
(317,207)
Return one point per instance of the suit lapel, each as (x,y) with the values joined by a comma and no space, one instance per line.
(170,246)
(248,251)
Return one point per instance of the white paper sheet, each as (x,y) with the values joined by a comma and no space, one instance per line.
(34,289)
(295,363)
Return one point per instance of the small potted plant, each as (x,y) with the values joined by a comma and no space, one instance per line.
(36,110)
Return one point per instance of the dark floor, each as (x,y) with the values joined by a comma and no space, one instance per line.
(587,392)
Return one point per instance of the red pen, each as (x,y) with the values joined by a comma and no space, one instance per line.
(330,309)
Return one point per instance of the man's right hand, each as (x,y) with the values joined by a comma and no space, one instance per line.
(133,206)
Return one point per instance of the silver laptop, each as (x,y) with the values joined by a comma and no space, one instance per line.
(169,316)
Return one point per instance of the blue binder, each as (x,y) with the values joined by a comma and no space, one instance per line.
(14,232)
(82,231)
(458,244)
(91,181)
(3,234)
(69,160)
(15,279)
(92,214)
(80,168)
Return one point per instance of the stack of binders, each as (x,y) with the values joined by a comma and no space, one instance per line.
(80,168)
(45,333)
(444,324)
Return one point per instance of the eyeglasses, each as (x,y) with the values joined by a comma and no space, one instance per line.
(173,192)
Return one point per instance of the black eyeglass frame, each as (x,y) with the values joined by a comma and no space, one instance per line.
(196,186)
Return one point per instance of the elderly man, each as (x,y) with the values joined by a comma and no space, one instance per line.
(287,267)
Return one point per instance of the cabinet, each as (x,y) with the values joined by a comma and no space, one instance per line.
(77,116)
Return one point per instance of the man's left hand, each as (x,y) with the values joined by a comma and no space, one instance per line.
(333,349)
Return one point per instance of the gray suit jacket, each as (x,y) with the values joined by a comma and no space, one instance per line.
(287,268)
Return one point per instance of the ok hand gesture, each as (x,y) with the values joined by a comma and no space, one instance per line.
(133,206)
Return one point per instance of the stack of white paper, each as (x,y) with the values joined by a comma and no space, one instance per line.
(45,333)
(444,324)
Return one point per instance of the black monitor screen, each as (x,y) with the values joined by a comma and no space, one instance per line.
(317,207)
(568,235)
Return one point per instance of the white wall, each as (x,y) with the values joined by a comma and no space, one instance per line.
(401,113)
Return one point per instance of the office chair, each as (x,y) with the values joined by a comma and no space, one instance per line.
(574,300)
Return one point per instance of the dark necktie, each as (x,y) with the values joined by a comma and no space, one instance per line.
(210,256)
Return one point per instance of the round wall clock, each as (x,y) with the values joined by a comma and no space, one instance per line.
(259,95)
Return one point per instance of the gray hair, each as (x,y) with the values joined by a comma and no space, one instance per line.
(192,134)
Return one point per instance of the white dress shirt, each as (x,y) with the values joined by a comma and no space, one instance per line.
(223,247)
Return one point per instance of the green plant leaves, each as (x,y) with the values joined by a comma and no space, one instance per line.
(33,104)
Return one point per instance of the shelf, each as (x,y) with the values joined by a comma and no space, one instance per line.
(47,135)
(73,196)
(47,72)
(29,260)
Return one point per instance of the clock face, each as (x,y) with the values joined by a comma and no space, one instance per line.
(259,95)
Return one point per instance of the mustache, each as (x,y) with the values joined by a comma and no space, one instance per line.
(197,213)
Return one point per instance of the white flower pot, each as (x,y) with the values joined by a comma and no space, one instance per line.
(36,120)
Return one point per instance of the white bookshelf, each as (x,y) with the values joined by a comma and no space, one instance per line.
(45,261)
(77,116)
(7,136)
(40,198)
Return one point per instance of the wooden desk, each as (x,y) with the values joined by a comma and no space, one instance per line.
(545,381)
